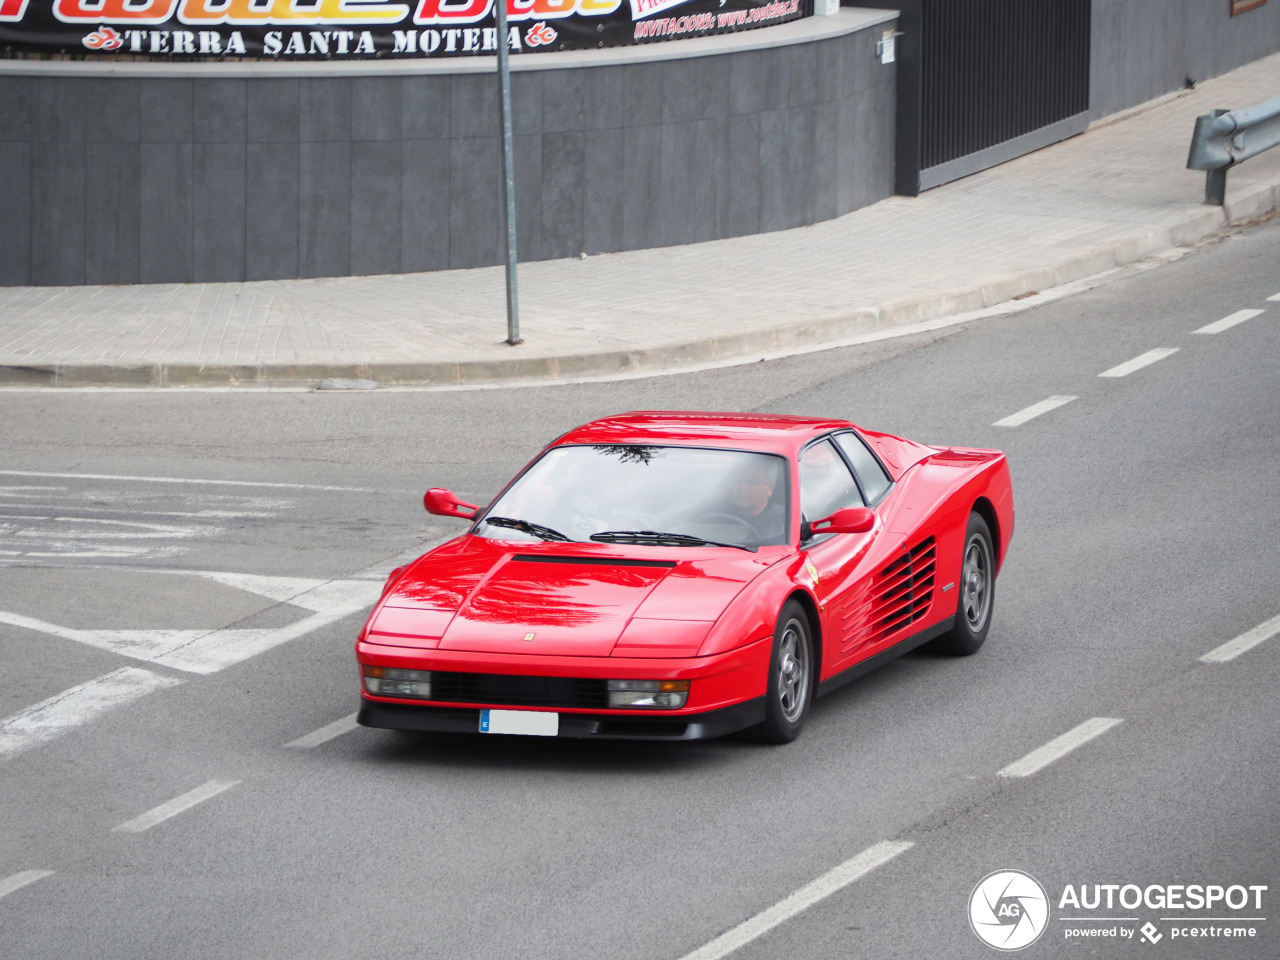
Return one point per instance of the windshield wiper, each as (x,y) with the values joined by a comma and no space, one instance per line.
(537,529)
(663,539)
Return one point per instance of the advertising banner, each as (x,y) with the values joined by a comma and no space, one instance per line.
(188,30)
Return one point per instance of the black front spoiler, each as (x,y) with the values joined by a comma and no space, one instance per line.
(593,726)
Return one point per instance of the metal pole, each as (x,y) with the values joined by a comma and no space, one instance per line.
(508,174)
(1215,181)
(1215,186)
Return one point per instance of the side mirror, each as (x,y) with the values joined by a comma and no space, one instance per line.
(848,520)
(445,503)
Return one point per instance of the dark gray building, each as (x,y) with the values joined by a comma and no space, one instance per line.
(175,172)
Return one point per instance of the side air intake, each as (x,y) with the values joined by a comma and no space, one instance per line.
(897,597)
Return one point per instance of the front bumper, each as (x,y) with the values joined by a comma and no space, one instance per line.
(585,726)
(726,693)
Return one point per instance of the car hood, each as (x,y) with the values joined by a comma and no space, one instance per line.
(496,596)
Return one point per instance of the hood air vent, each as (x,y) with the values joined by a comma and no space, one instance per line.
(591,561)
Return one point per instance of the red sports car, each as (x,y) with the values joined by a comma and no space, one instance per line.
(685,575)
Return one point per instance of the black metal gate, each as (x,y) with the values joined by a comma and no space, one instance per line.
(983,81)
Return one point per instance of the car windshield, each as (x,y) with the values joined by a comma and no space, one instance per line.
(652,495)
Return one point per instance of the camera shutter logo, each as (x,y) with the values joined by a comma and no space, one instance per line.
(1008,910)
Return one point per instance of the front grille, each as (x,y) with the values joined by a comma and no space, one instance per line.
(518,691)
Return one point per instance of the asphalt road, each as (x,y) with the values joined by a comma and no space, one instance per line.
(173,647)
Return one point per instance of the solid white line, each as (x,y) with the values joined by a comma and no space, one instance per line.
(76,706)
(326,733)
(19,880)
(1059,747)
(1137,363)
(1033,411)
(1226,323)
(207,483)
(833,880)
(1246,641)
(175,806)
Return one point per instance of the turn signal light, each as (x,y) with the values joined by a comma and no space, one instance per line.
(648,694)
(394,682)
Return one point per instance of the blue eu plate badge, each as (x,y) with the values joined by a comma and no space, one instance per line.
(529,723)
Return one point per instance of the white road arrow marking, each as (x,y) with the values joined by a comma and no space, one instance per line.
(76,706)
(209,650)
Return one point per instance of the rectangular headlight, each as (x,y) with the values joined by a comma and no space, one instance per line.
(648,694)
(394,682)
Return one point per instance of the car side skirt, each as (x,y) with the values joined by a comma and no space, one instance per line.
(585,726)
(884,656)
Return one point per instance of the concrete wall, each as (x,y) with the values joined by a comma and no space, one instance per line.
(144,178)
(1145,48)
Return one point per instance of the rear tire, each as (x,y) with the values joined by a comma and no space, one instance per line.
(977,592)
(792,674)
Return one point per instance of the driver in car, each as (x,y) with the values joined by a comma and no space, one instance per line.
(751,497)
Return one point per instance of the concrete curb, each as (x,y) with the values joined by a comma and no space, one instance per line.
(1183,228)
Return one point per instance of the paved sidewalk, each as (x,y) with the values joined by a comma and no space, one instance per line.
(1116,194)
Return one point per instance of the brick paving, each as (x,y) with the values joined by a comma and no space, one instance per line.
(1117,193)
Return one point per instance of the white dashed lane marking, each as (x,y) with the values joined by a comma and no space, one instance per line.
(1243,643)
(1274,297)
(17,881)
(1059,747)
(830,882)
(79,705)
(326,733)
(1033,411)
(1226,323)
(1138,362)
(175,806)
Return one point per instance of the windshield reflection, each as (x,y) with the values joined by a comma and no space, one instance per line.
(726,496)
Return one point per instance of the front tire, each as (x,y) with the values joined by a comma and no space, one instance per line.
(792,674)
(977,592)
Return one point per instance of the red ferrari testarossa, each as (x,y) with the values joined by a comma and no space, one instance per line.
(686,575)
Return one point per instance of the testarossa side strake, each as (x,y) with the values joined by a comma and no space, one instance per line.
(677,576)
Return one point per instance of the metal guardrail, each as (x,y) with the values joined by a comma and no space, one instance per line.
(1227,137)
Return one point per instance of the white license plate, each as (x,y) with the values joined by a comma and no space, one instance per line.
(530,723)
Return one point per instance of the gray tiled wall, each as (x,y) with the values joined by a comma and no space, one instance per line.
(127,180)
(1144,48)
